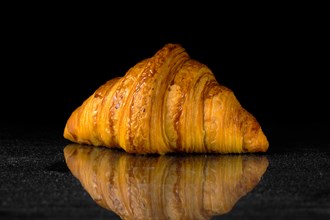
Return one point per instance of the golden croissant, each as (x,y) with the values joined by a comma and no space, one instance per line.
(166,186)
(166,103)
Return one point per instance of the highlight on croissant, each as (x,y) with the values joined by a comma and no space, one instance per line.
(166,103)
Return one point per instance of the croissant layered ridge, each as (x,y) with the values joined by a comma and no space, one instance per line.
(166,103)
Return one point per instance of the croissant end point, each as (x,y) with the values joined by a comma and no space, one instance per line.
(259,143)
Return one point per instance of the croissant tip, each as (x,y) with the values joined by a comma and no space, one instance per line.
(259,143)
(262,141)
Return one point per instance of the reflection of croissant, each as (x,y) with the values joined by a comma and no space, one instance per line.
(167,186)
(167,103)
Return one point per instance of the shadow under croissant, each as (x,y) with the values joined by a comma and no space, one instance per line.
(165,186)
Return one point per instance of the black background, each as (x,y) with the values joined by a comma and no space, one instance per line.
(272,56)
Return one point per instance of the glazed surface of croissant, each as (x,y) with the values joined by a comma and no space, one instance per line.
(166,103)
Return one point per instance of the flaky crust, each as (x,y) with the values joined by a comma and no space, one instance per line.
(166,103)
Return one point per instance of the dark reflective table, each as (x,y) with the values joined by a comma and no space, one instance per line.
(43,176)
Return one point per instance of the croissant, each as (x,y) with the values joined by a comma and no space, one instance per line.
(166,186)
(166,103)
